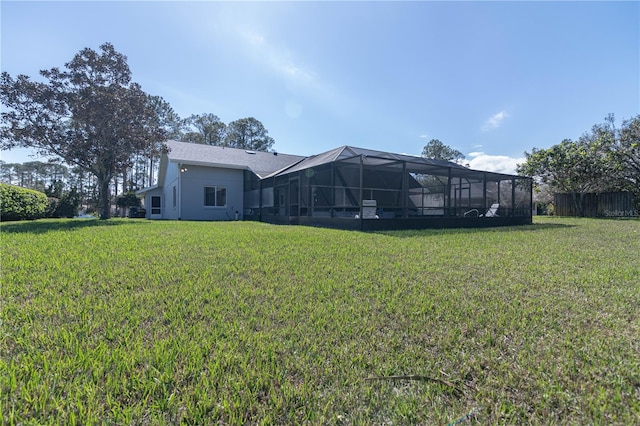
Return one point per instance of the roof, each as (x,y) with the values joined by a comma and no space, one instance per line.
(147,189)
(269,164)
(260,162)
(369,156)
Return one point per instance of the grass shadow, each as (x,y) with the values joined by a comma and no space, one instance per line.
(42,226)
(482,230)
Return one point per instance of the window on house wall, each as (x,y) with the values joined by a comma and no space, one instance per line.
(215,196)
(155,205)
(174,197)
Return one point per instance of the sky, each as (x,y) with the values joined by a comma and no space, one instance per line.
(491,79)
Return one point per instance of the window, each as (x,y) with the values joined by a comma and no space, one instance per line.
(155,205)
(174,197)
(215,196)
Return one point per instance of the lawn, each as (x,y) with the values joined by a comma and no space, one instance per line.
(159,322)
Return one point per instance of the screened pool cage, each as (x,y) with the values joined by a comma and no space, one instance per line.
(354,188)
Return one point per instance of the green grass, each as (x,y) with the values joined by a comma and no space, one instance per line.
(152,322)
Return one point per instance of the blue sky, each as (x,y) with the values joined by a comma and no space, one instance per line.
(491,79)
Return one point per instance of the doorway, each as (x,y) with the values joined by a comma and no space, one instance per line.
(156,209)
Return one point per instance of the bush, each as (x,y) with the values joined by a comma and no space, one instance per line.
(65,206)
(52,208)
(128,199)
(69,203)
(18,203)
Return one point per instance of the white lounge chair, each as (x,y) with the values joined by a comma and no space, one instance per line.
(492,212)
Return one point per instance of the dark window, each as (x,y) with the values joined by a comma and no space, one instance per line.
(155,205)
(221,196)
(215,196)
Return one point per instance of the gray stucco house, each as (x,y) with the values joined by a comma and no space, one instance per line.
(347,187)
(204,182)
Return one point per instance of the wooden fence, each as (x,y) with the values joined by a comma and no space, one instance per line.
(607,204)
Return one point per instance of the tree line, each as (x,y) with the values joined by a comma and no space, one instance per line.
(104,133)
(604,159)
(65,186)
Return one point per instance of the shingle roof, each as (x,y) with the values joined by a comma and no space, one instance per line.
(268,164)
(371,157)
(261,163)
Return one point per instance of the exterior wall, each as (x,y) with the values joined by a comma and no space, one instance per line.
(147,201)
(171,181)
(192,182)
(332,196)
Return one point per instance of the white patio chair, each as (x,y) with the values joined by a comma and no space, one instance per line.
(492,212)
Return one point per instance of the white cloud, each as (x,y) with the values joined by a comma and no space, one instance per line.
(278,58)
(495,121)
(299,79)
(494,163)
(252,37)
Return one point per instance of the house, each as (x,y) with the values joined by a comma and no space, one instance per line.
(204,182)
(347,187)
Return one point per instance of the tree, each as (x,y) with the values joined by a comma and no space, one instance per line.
(55,189)
(86,185)
(173,126)
(570,167)
(33,174)
(166,117)
(192,137)
(69,203)
(439,151)
(127,200)
(90,114)
(627,153)
(603,159)
(6,172)
(248,133)
(210,129)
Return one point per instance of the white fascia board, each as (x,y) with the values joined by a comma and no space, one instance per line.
(145,190)
(209,164)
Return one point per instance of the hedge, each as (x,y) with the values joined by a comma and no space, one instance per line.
(18,203)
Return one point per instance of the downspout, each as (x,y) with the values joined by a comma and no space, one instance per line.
(179,191)
(260,201)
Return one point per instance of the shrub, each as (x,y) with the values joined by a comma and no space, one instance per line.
(18,203)
(69,203)
(52,207)
(128,199)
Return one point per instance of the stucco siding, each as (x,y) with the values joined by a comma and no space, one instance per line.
(171,210)
(147,200)
(193,181)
